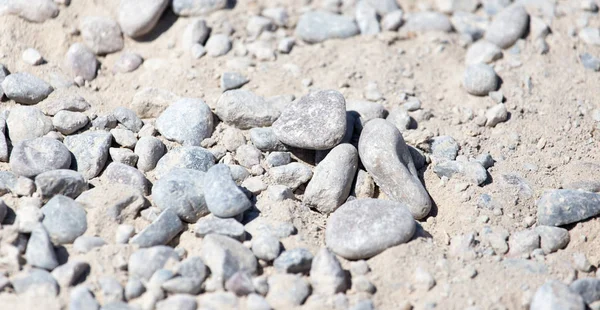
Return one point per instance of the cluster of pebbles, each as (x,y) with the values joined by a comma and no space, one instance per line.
(134,185)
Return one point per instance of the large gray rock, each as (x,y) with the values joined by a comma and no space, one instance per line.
(318,26)
(101,34)
(60,182)
(197,7)
(363,228)
(189,157)
(588,288)
(427,21)
(244,109)
(64,219)
(25,88)
(138,18)
(149,151)
(144,262)
(63,99)
(40,251)
(81,61)
(223,197)
(187,121)
(317,121)
(35,282)
(554,295)
(90,151)
(332,179)
(37,124)
(32,157)
(225,256)
(565,206)
(508,26)
(182,190)
(124,174)
(387,158)
(164,228)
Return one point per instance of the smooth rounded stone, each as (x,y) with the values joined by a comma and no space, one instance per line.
(23,187)
(266,247)
(226,227)
(552,239)
(232,138)
(149,151)
(35,282)
(232,80)
(554,295)
(124,174)
(187,121)
(444,148)
(37,11)
(218,45)
(293,261)
(588,288)
(240,284)
(363,228)
(291,175)
(392,20)
(32,157)
(196,32)
(197,7)
(482,51)
(248,155)
(399,117)
(318,26)
(182,190)
(25,88)
(565,206)
(223,197)
(127,62)
(134,288)
(150,102)
(40,251)
(238,173)
(63,100)
(32,57)
(166,226)
(64,219)
(326,274)
(383,6)
(388,160)
(244,109)
(257,25)
(225,256)
(287,291)
(84,244)
(69,273)
(285,45)
(101,34)
(124,137)
(427,21)
(508,26)
(128,118)
(82,299)
(265,139)
(123,156)
(60,182)
(189,157)
(90,151)
(257,302)
(581,175)
(144,262)
(124,233)
(67,122)
(178,301)
(332,179)
(496,115)
(254,185)
(276,159)
(148,130)
(197,51)
(523,242)
(81,61)
(367,110)
(138,18)
(472,172)
(104,122)
(317,121)
(366,19)
(278,15)
(480,79)
(37,124)
(112,291)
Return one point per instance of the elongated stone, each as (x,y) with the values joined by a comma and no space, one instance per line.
(565,206)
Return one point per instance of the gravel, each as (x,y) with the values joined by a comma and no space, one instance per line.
(182,190)
(25,88)
(139,18)
(166,226)
(67,122)
(37,126)
(64,219)
(187,121)
(60,182)
(480,80)
(189,157)
(90,151)
(149,151)
(213,225)
(40,251)
(30,158)
(223,197)
(297,260)
(244,110)
(81,61)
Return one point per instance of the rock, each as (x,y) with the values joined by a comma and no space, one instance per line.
(240,284)
(332,179)
(287,291)
(123,156)
(564,206)
(124,174)
(244,110)
(427,21)
(189,157)
(35,282)
(70,273)
(150,102)
(124,233)
(182,190)
(276,159)
(555,295)
(482,51)
(197,51)
(196,32)
(197,7)
(40,251)
(266,247)
(149,151)
(81,61)
(317,121)
(181,302)
(84,244)
(187,121)
(127,62)
(23,187)
(293,261)
(508,26)
(32,56)
(160,232)
(590,36)
(257,302)
(285,45)
(392,20)
(28,216)
(128,118)
(523,242)
(223,197)
(183,285)
(90,151)
(355,226)
(248,156)
(232,80)
(124,137)
(470,26)
(278,15)
(291,175)
(67,122)
(472,172)
(444,148)
(214,225)
(383,6)
(104,122)
(60,182)
(265,139)
(366,18)
(257,24)
(139,18)
(588,288)
(386,157)
(101,34)
(82,299)
(326,274)
(25,88)
(218,45)
(452,6)
(225,256)
(32,157)
(63,100)
(495,115)
(364,186)
(37,11)
(232,138)
(399,117)
(318,26)
(64,219)
(37,126)
(366,110)
(480,79)
(590,62)
(144,262)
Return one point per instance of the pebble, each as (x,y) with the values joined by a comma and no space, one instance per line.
(144,262)
(352,228)
(181,190)
(366,18)
(37,126)
(60,182)
(244,109)
(326,274)
(25,88)
(366,110)
(123,156)
(84,244)
(588,288)
(32,56)
(124,174)
(386,157)
(225,256)
(223,197)
(564,206)
(81,61)
(444,148)
(278,15)
(197,51)
(556,295)
(28,217)
(149,151)
(480,79)
(266,247)
(139,18)
(127,62)
(383,6)
(112,291)
(124,137)
(472,172)
(196,32)
(189,157)
(265,139)
(248,156)
(232,80)
(40,251)
(36,282)
(495,115)
(90,151)
(291,175)
(590,36)
(32,157)
(70,273)
(214,225)
(257,302)
(482,51)
(101,34)
(166,226)
(285,45)
(104,122)
(508,26)
(23,187)
(257,24)
(276,159)
(523,243)
(392,20)
(332,179)
(180,302)
(238,173)
(319,26)
(427,21)
(218,45)
(128,118)
(590,62)
(124,233)
(297,260)
(187,121)
(240,284)
(317,121)
(197,7)
(399,117)
(37,11)
(67,122)
(287,291)
(64,219)
(581,263)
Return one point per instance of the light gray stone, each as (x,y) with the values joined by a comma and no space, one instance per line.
(101,34)
(84,244)
(565,206)
(240,284)
(67,122)
(226,227)
(124,137)
(189,157)
(232,80)
(64,219)
(444,148)
(265,139)
(588,288)
(123,156)
(81,61)
(248,155)
(480,80)
(178,301)
(482,51)
(149,151)
(508,26)
(25,88)
(496,115)
(127,62)
(139,18)
(318,26)
(287,291)
(472,172)
(197,7)
(150,102)
(218,45)
(366,18)
(196,32)
(223,197)
(266,247)
(182,190)
(187,121)
(244,109)
(166,226)
(276,159)
(392,20)
(112,291)
(90,152)
(326,274)
(554,295)
(37,11)
(37,124)
(40,251)
(63,100)
(297,260)
(60,182)
(35,282)
(128,118)
(124,174)
(32,56)
(144,262)
(426,22)
(70,273)
(383,6)
(291,175)
(225,256)
(32,157)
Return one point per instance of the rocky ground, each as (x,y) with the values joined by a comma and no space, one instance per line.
(325,154)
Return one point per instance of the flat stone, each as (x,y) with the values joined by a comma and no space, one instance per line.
(166,226)
(427,21)
(60,182)
(182,190)
(127,62)
(90,151)
(197,7)
(223,197)
(25,88)
(482,51)
(35,282)
(287,291)
(363,228)
(124,174)
(189,157)
(150,102)
(226,227)
(37,125)
(556,295)
(64,219)
(81,61)
(508,26)
(291,175)
(244,109)
(480,80)
(32,157)
(40,251)
(187,121)
(232,80)
(67,122)
(144,262)
(139,18)
(149,151)
(318,26)
(297,260)
(37,11)
(101,34)
(225,256)
(565,206)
